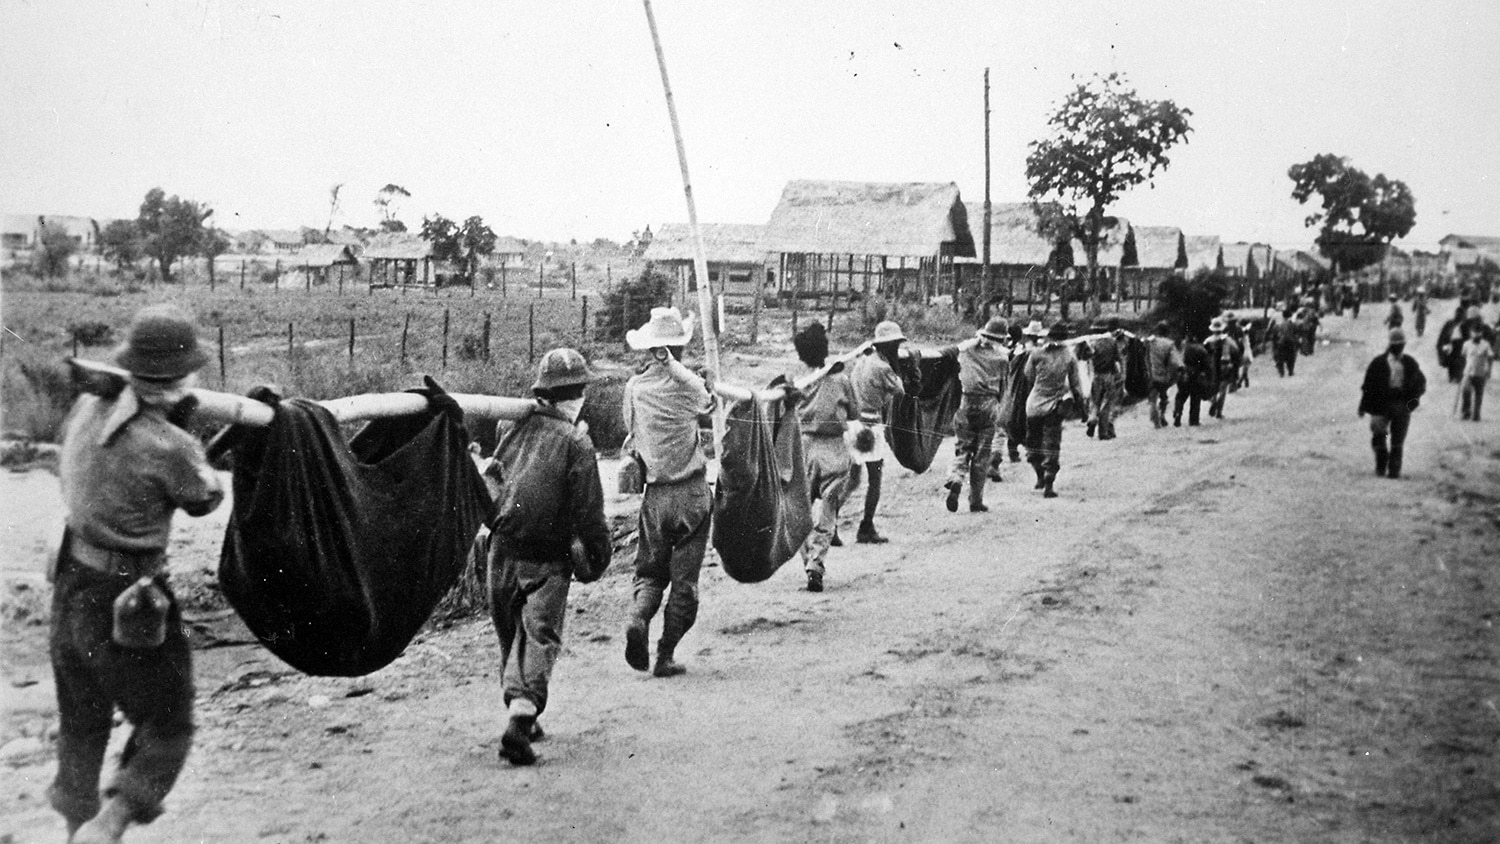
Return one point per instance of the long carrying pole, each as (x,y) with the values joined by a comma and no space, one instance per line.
(985,277)
(700,259)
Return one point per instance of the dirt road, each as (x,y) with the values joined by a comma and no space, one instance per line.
(1227,633)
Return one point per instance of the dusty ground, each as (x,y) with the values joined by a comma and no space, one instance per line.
(1229,633)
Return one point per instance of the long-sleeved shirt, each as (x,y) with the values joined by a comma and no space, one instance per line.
(545,480)
(983,368)
(1053,372)
(1163,361)
(125,469)
(1479,357)
(875,383)
(828,406)
(661,409)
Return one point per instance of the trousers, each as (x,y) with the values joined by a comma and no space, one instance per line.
(1186,395)
(1393,426)
(153,688)
(1104,398)
(1044,441)
(1473,396)
(1157,398)
(673,536)
(974,432)
(828,483)
(528,604)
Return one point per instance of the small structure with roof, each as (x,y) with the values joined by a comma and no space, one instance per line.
(1023,259)
(1160,254)
(399,259)
(1205,253)
(837,240)
(735,252)
(1117,250)
(320,261)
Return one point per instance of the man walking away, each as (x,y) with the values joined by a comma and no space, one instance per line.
(545,482)
(824,412)
(1105,365)
(1285,338)
(117,638)
(984,369)
(1479,360)
(1450,343)
(1163,366)
(1055,394)
(1393,384)
(1194,383)
(662,407)
(876,386)
(1224,356)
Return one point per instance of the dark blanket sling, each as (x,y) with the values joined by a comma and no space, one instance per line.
(922,418)
(761,510)
(338,550)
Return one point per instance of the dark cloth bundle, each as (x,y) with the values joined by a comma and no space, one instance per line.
(1013,403)
(761,510)
(338,550)
(923,417)
(1137,374)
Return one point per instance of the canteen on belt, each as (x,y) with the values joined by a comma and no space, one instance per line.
(141,615)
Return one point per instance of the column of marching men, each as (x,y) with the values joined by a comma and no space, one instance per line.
(127,465)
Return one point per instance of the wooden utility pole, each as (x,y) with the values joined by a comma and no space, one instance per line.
(985,273)
(700,258)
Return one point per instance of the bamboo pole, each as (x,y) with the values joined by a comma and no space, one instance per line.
(700,259)
(221,356)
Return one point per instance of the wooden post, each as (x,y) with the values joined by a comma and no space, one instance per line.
(758,290)
(531,332)
(221,356)
(864,301)
(503,276)
(75,345)
(276,283)
(986,274)
(405,329)
(242,275)
(445,338)
(541,272)
(351,340)
(307,273)
(341,279)
(573,278)
(289,341)
(585,319)
(486,336)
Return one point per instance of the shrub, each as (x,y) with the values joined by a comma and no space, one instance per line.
(601,410)
(1190,303)
(91,333)
(629,303)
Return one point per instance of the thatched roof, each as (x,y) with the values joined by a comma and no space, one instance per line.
(1013,234)
(1160,248)
(509,246)
(1454,242)
(1204,252)
(320,255)
(397,246)
(910,219)
(1118,247)
(723,243)
(1236,257)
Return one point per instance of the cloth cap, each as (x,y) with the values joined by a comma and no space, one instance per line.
(561,368)
(667,327)
(161,344)
(888,332)
(1034,329)
(1217,324)
(1397,336)
(996,329)
(1058,331)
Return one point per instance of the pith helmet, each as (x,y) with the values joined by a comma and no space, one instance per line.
(1034,329)
(888,332)
(561,368)
(1217,325)
(667,327)
(996,329)
(161,344)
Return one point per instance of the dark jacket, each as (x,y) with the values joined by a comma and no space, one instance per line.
(547,491)
(1197,373)
(1378,399)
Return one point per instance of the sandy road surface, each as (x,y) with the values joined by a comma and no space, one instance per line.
(1227,633)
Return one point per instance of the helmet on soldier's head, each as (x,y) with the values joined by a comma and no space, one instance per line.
(561,368)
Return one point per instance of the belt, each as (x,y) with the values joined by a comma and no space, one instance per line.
(111,561)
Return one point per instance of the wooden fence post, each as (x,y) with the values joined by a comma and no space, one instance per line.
(307,274)
(445,338)
(405,328)
(351,340)
(221,356)
(289,341)
(276,282)
(541,272)
(573,278)
(242,274)
(585,318)
(486,336)
(530,333)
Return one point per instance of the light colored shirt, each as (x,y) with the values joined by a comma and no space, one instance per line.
(828,406)
(1479,358)
(1053,371)
(1398,371)
(125,469)
(1163,360)
(661,409)
(875,383)
(983,368)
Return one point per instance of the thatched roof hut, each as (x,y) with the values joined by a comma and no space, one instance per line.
(1117,247)
(723,243)
(1014,236)
(1160,248)
(398,246)
(1204,252)
(870,218)
(324,255)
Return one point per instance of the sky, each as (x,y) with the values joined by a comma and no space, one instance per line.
(548,118)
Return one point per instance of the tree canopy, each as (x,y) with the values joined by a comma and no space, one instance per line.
(1359,215)
(120,242)
(171,228)
(461,245)
(54,248)
(387,199)
(1104,139)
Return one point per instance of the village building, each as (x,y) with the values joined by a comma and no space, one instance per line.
(22,232)
(399,259)
(735,252)
(1160,254)
(1473,262)
(1117,249)
(842,241)
(281,241)
(1024,262)
(322,263)
(1205,254)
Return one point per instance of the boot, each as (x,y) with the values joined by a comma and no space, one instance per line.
(515,743)
(1382,458)
(637,651)
(868,536)
(1041,475)
(107,827)
(1013,453)
(977,477)
(1047,490)
(814,581)
(1393,468)
(954,488)
(666,666)
(994,473)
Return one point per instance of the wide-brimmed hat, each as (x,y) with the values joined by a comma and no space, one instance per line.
(1058,331)
(161,344)
(1217,324)
(1034,329)
(996,329)
(667,327)
(561,368)
(888,332)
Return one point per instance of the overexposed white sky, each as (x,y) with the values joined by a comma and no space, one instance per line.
(547,118)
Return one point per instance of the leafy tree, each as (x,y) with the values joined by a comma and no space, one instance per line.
(1360,216)
(461,245)
(214,244)
(629,303)
(54,247)
(1104,140)
(387,199)
(120,242)
(171,228)
(1191,304)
